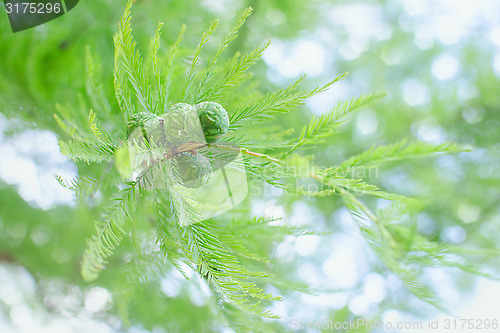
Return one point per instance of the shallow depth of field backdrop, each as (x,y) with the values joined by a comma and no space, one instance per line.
(439,62)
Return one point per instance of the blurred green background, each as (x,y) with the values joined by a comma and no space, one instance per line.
(439,61)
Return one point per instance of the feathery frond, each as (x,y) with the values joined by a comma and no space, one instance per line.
(87,152)
(203,91)
(170,65)
(233,73)
(188,93)
(130,60)
(93,85)
(109,233)
(398,151)
(160,106)
(281,101)
(325,125)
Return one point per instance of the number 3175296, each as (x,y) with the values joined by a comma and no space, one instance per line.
(33,8)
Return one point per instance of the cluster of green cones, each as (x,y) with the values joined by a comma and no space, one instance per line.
(199,124)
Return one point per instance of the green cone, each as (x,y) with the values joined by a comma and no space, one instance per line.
(214,120)
(150,125)
(194,169)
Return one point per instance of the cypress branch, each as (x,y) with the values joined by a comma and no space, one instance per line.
(398,151)
(130,62)
(280,101)
(187,94)
(325,125)
(207,75)
(217,251)
(170,65)
(160,105)
(93,84)
(232,74)
(109,234)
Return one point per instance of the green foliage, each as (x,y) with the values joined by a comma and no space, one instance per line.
(215,248)
(109,233)
(280,101)
(129,66)
(233,73)
(397,151)
(325,125)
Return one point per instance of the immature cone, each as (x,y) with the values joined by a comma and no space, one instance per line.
(150,125)
(182,125)
(214,120)
(194,169)
(180,108)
